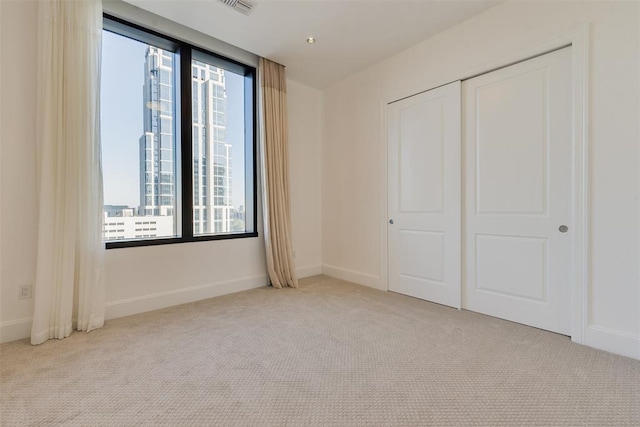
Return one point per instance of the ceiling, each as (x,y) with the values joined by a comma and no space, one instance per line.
(350,34)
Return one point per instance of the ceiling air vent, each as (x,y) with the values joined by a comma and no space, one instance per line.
(243,6)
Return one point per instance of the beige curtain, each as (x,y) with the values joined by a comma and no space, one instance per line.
(69,290)
(275,167)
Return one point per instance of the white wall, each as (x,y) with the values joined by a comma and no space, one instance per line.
(143,278)
(354,145)
(18,219)
(305,148)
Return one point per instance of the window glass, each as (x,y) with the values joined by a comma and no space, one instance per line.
(165,76)
(221,102)
(166,92)
(166,141)
(130,123)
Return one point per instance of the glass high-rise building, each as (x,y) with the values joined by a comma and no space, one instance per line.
(157,152)
(212,201)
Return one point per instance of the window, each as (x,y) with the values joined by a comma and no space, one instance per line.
(178,139)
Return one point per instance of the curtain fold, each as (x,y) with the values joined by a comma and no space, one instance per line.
(69,290)
(275,168)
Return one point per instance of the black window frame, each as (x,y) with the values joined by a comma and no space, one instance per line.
(184,180)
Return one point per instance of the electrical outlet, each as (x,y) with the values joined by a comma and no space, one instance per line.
(25,292)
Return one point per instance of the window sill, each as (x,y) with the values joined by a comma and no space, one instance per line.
(115,244)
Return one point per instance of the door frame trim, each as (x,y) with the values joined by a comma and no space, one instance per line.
(578,38)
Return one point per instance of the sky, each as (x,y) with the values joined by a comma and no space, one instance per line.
(121,121)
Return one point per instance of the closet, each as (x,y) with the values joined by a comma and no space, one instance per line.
(480,193)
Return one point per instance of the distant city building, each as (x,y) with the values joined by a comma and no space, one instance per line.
(238,219)
(212,201)
(137,227)
(157,153)
(238,213)
(118,210)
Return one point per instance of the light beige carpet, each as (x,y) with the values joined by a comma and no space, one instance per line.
(329,353)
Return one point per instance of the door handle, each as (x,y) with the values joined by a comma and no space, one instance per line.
(563,228)
(391,221)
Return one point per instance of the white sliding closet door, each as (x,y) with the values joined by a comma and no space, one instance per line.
(424,181)
(518,168)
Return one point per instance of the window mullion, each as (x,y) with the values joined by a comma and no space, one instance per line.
(186,145)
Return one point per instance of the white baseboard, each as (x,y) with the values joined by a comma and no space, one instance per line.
(14,330)
(308,271)
(142,304)
(358,277)
(613,341)
(18,329)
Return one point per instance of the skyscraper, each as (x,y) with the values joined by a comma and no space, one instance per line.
(211,153)
(212,201)
(157,153)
